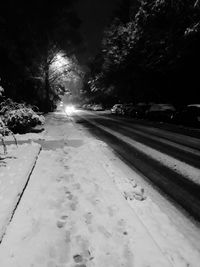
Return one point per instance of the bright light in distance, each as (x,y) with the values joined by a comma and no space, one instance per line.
(69,109)
(60,62)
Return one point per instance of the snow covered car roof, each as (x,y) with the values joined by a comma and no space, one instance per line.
(162,107)
(194,105)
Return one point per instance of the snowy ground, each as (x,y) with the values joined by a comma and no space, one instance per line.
(80,210)
(15,169)
(186,170)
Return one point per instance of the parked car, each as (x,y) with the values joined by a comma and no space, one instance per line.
(136,111)
(98,107)
(160,112)
(84,106)
(89,106)
(189,116)
(141,110)
(125,109)
(116,109)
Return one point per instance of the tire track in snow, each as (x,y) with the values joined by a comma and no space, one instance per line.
(180,152)
(186,143)
(177,137)
(182,189)
(187,171)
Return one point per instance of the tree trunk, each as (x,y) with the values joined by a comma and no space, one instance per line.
(47,103)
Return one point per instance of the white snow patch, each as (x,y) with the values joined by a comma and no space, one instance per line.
(173,244)
(14,172)
(182,168)
(72,214)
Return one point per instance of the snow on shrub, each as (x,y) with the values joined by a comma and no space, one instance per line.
(3,132)
(1,90)
(18,117)
(22,119)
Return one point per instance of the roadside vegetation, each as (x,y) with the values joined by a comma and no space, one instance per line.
(16,118)
(37,52)
(149,53)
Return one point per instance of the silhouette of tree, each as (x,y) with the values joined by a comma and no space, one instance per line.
(147,57)
(33,33)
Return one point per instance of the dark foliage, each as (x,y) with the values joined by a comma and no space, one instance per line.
(153,56)
(32,32)
(19,117)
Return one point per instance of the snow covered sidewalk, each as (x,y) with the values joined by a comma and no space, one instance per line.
(72,213)
(15,170)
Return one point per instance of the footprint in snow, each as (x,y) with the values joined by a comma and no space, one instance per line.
(85,254)
(62,221)
(78,258)
(81,259)
(121,225)
(69,195)
(73,206)
(112,210)
(59,179)
(135,193)
(77,186)
(66,166)
(65,149)
(88,217)
(68,236)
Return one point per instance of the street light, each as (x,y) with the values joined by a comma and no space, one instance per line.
(69,109)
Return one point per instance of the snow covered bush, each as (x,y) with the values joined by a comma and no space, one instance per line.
(22,119)
(3,132)
(19,117)
(1,90)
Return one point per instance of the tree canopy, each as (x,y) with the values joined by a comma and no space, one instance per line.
(152,55)
(32,34)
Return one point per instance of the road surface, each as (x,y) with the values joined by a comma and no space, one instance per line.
(77,218)
(168,157)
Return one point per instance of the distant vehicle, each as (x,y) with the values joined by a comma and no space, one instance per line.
(98,107)
(116,109)
(142,109)
(126,108)
(84,106)
(135,111)
(189,116)
(160,112)
(60,106)
(89,106)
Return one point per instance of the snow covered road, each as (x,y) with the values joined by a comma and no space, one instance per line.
(169,164)
(80,210)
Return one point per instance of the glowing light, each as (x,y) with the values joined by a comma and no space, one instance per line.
(70,109)
(60,62)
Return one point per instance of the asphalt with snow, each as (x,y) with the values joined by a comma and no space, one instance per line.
(167,156)
(84,207)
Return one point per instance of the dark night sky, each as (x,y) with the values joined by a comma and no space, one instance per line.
(95,15)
